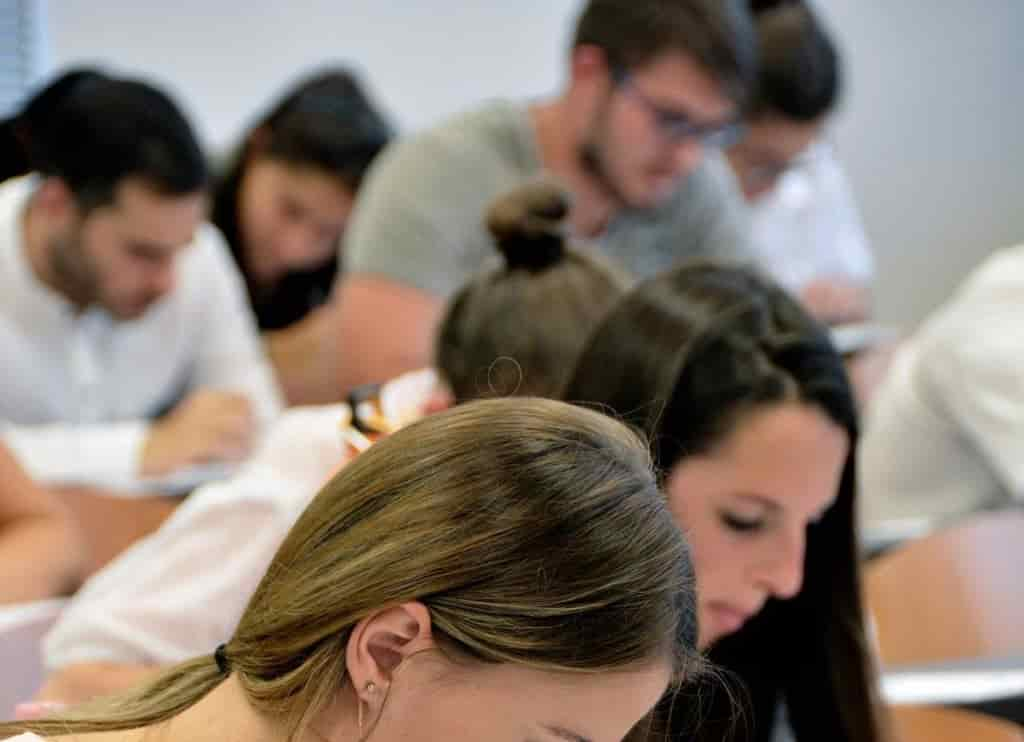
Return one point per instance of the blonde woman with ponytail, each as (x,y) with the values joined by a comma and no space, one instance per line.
(504,571)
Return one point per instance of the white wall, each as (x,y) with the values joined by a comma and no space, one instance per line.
(933,137)
(930,132)
(227,60)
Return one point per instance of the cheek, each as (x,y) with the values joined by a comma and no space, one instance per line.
(100,258)
(450,715)
(718,556)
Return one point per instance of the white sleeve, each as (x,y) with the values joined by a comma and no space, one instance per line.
(179,592)
(96,454)
(231,355)
(974,374)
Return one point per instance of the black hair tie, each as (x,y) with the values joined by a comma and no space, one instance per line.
(221,658)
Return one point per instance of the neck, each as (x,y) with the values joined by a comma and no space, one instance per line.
(222,715)
(560,142)
(226,715)
(38,246)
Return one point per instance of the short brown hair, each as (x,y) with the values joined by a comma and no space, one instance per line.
(717,34)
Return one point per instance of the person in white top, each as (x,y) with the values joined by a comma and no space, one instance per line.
(806,230)
(944,436)
(130,350)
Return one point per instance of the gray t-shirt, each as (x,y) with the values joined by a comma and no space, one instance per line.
(419,219)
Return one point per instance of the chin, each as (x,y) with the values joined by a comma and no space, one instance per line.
(653,195)
(130,312)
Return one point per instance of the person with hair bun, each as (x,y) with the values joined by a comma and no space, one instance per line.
(529,583)
(807,232)
(517,329)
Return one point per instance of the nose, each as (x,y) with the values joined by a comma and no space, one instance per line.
(782,572)
(296,246)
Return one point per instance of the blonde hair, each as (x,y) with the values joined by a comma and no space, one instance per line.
(519,329)
(532,531)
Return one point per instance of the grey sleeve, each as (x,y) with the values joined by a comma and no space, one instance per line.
(419,216)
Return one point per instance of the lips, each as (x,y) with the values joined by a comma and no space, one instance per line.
(728,618)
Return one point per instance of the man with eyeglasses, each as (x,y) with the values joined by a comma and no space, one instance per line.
(654,90)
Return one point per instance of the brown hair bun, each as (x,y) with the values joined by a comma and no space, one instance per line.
(527,224)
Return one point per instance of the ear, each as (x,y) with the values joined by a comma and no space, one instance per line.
(56,200)
(382,642)
(588,67)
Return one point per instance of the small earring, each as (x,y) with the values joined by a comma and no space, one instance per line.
(371,689)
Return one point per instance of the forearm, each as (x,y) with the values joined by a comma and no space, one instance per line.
(383,329)
(40,557)
(303,357)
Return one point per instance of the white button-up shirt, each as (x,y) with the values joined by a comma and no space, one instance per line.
(808,227)
(80,388)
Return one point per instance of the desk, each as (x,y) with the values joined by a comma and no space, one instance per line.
(991,685)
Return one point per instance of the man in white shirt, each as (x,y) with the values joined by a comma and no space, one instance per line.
(806,230)
(129,348)
(944,436)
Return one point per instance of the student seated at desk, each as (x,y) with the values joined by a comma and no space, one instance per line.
(129,349)
(653,93)
(753,424)
(41,551)
(283,205)
(180,592)
(504,570)
(944,437)
(806,230)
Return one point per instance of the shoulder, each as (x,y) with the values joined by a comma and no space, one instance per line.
(460,155)
(975,337)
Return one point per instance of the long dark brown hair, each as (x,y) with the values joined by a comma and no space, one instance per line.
(684,357)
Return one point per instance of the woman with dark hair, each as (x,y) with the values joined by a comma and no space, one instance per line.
(283,204)
(807,230)
(753,425)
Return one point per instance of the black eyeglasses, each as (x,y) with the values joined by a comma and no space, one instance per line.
(677,126)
